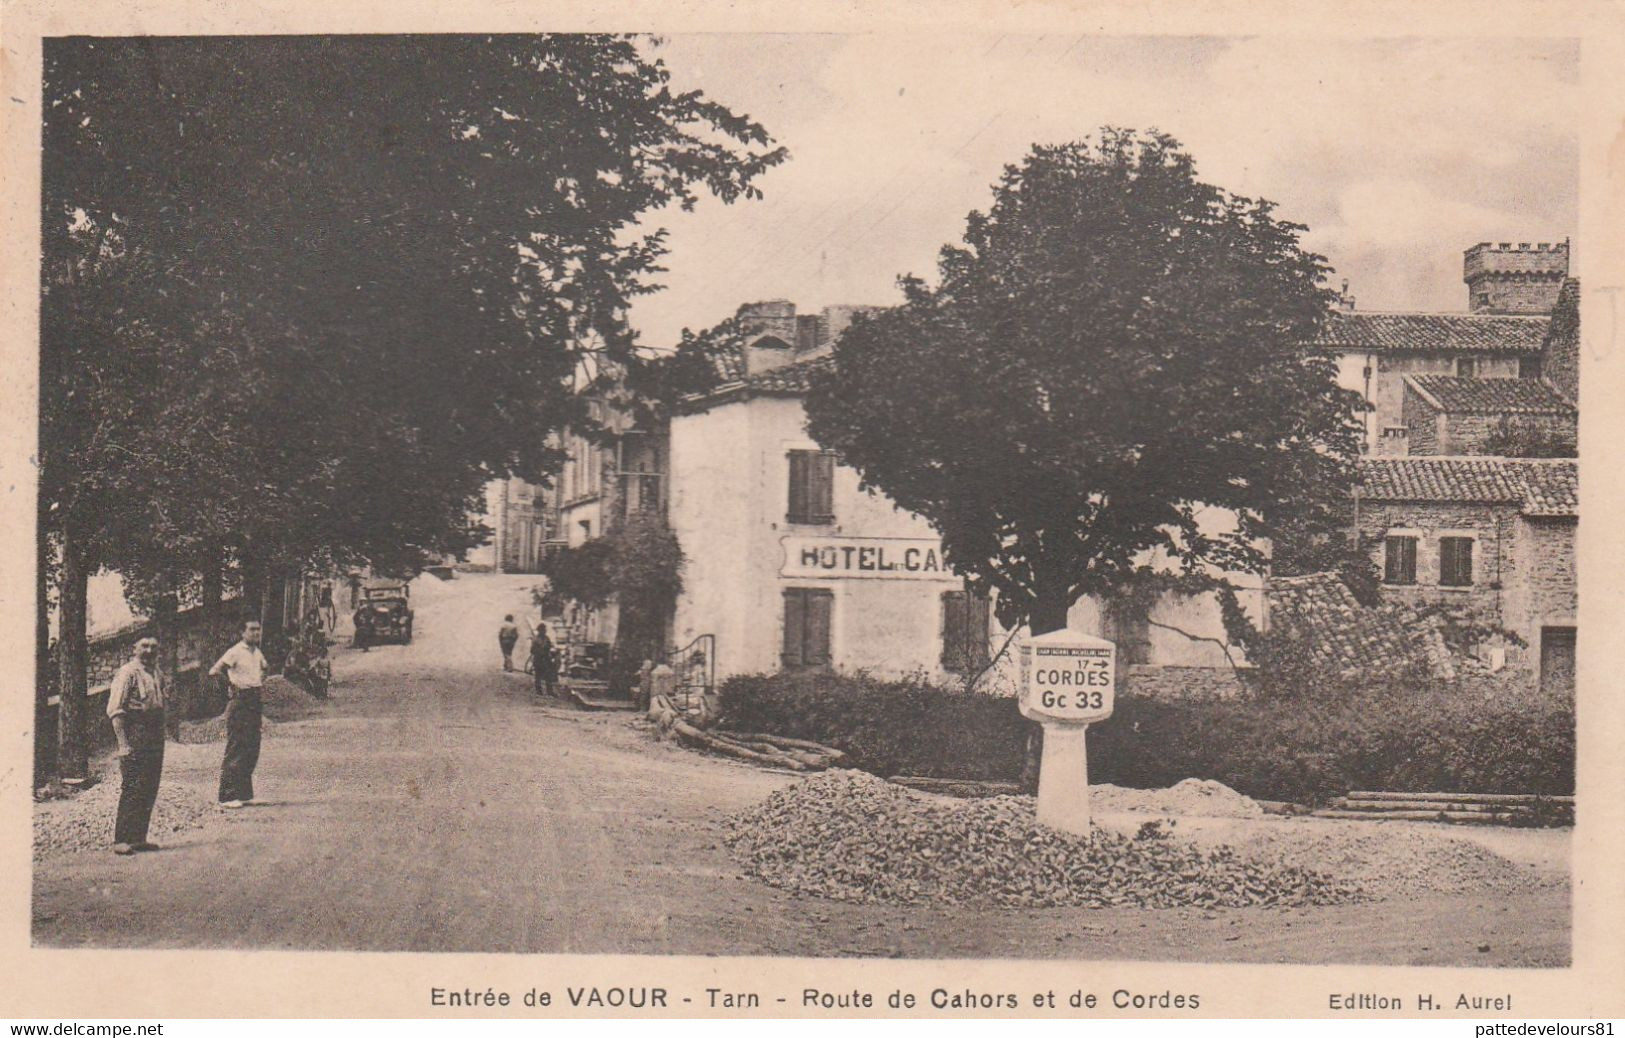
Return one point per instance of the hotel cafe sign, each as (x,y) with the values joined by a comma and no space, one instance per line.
(875,558)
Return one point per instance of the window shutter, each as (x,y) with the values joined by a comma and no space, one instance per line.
(821,492)
(794,626)
(815,649)
(798,487)
(1399,565)
(953,629)
(980,612)
(1456,561)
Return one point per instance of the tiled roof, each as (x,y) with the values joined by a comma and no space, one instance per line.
(1538,486)
(1458,333)
(789,378)
(729,363)
(1490,395)
(1551,488)
(1317,617)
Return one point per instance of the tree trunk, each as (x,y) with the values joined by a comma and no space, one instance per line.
(1048,614)
(211,635)
(73,660)
(42,657)
(167,628)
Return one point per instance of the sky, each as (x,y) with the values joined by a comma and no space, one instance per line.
(1397,154)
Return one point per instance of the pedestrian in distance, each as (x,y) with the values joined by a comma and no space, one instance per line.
(355,590)
(244,668)
(324,602)
(507,638)
(135,705)
(544,662)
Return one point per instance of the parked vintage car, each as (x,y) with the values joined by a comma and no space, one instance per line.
(384,615)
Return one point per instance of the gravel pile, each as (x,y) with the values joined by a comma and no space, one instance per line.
(1395,863)
(85,821)
(850,836)
(1190,798)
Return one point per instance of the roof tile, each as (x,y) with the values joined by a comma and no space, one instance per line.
(1538,486)
(1482,333)
(1492,395)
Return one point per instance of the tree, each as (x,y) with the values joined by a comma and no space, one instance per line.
(367,268)
(1116,349)
(1515,436)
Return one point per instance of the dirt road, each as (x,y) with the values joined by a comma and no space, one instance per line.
(436,805)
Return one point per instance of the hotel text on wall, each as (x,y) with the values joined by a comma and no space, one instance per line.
(877,558)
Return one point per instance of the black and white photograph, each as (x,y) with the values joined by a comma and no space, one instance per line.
(989,497)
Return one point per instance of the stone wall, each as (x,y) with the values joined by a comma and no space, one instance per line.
(1560,358)
(1514,279)
(1156,682)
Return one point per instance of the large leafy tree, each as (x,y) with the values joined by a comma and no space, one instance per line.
(366,269)
(1113,358)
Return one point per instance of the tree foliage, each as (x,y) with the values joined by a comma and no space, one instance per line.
(304,296)
(1112,359)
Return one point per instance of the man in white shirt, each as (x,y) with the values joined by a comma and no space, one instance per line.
(135,704)
(244,667)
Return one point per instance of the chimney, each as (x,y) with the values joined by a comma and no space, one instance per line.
(1345,302)
(771,334)
(1514,279)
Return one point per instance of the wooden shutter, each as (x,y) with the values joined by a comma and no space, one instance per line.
(1456,561)
(1400,564)
(821,488)
(964,630)
(954,604)
(795,622)
(798,511)
(978,612)
(815,647)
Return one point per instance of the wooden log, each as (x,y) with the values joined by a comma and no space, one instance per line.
(692,735)
(1416,816)
(1464,798)
(1384,806)
(785,740)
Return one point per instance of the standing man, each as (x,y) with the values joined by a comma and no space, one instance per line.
(135,704)
(544,662)
(244,668)
(355,589)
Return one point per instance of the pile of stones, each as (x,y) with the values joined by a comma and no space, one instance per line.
(849,836)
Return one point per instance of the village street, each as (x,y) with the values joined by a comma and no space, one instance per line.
(435,805)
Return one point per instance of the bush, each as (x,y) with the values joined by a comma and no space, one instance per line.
(1413,738)
(905,727)
(1461,737)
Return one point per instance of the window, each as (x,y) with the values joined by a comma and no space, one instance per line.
(806,627)
(812,487)
(1528,367)
(1466,367)
(1399,563)
(1455,561)
(964,632)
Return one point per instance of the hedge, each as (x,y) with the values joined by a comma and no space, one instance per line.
(1402,737)
(898,727)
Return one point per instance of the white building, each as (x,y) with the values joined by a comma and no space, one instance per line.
(790,564)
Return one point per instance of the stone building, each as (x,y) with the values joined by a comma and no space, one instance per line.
(1511,293)
(791,564)
(1453,416)
(1487,539)
(518,516)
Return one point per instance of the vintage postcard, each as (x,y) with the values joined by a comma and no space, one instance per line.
(1041,510)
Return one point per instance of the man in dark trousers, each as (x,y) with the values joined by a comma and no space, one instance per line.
(135,704)
(507,638)
(244,667)
(544,661)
